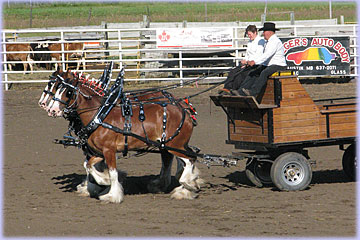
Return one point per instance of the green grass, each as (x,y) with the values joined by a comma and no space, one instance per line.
(17,15)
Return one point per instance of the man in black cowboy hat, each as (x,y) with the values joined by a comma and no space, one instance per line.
(272,60)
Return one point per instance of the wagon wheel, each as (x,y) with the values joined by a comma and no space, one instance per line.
(258,172)
(291,171)
(349,162)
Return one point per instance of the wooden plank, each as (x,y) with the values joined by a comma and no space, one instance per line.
(248,131)
(343,133)
(349,118)
(295,95)
(296,123)
(298,130)
(241,123)
(339,126)
(295,109)
(289,81)
(293,88)
(296,102)
(297,116)
(254,139)
(295,138)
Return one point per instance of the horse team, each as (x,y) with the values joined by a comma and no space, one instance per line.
(166,121)
(42,53)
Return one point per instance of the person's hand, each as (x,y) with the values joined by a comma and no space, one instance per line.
(251,63)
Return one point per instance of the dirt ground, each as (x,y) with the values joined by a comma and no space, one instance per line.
(40,179)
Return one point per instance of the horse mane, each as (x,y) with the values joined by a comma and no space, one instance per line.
(94,85)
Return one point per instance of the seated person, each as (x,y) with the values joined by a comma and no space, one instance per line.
(271,61)
(255,47)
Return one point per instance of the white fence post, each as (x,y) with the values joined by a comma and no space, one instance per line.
(62,50)
(5,65)
(120,50)
(181,64)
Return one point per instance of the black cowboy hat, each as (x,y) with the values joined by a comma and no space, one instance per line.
(269,26)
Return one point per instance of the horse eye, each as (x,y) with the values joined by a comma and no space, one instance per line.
(68,93)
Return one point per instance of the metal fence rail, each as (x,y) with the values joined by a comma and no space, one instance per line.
(136,49)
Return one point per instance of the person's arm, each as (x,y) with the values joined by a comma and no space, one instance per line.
(270,50)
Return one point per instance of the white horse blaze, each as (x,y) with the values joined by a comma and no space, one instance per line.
(47,96)
(54,106)
(43,96)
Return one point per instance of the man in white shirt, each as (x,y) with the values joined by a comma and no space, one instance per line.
(270,61)
(255,48)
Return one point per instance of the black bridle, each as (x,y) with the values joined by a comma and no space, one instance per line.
(71,92)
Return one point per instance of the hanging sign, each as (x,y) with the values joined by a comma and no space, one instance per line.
(317,56)
(193,37)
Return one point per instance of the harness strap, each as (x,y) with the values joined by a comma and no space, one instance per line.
(163,136)
(154,143)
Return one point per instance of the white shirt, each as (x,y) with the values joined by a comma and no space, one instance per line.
(273,53)
(255,48)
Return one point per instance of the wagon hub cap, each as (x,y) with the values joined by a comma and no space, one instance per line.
(293,173)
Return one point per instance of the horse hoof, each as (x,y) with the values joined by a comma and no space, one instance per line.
(81,189)
(195,185)
(183,193)
(110,199)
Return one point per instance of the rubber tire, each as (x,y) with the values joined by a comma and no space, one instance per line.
(349,162)
(254,175)
(292,160)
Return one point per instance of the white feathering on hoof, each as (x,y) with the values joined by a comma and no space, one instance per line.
(182,193)
(81,189)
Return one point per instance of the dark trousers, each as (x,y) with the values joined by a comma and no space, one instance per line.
(236,76)
(257,78)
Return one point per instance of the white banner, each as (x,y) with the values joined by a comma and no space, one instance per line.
(193,37)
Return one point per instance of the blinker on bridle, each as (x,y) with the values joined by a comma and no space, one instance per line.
(70,91)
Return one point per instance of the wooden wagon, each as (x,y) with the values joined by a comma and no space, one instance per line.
(279,124)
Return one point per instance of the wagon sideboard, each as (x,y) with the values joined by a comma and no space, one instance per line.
(284,114)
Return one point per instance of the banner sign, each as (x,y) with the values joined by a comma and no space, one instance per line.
(317,55)
(194,37)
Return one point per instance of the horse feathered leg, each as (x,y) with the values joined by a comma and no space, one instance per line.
(116,193)
(101,177)
(189,180)
(179,169)
(161,183)
(82,187)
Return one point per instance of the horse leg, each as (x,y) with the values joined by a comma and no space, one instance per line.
(101,177)
(161,183)
(179,169)
(82,187)
(116,193)
(190,181)
(25,67)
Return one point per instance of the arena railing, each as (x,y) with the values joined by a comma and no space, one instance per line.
(138,60)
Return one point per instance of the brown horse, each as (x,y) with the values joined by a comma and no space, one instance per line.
(58,77)
(107,142)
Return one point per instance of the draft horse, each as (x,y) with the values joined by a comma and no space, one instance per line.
(159,184)
(167,126)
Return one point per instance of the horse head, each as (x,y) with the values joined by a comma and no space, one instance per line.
(50,89)
(72,86)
